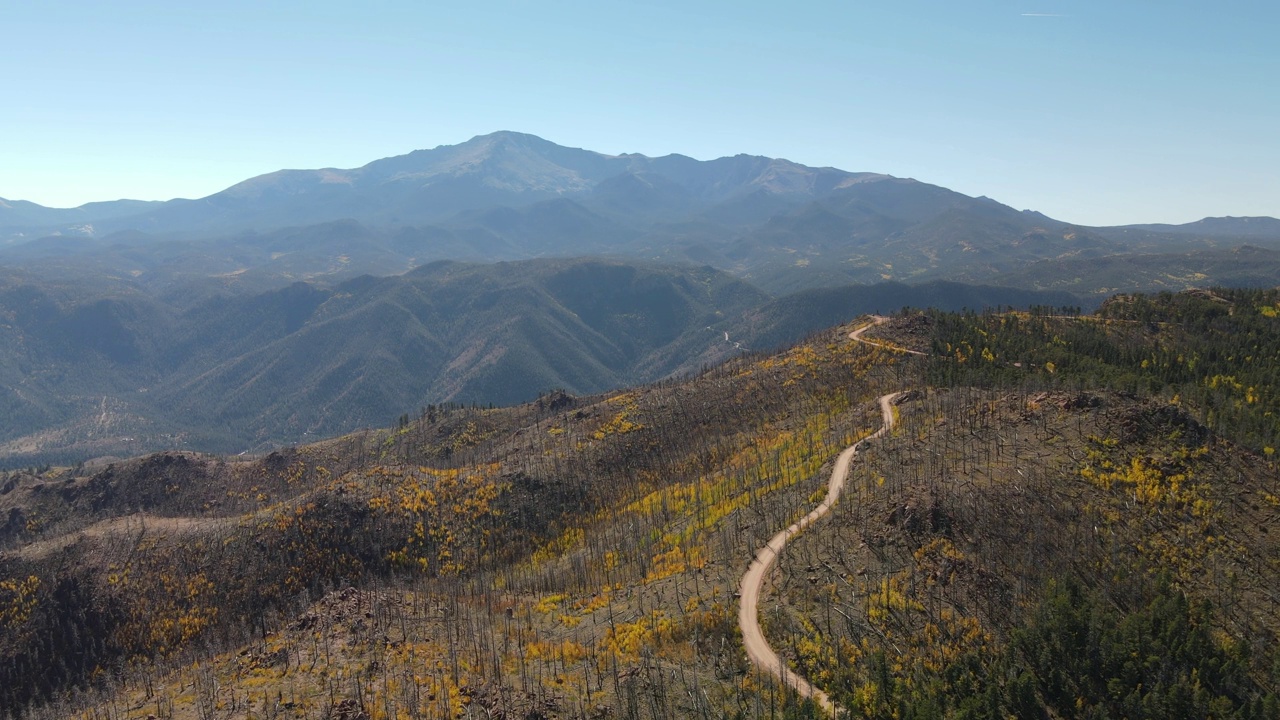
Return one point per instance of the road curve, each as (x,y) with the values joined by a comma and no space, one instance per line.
(877,320)
(758,650)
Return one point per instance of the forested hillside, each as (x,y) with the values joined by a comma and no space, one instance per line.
(91,374)
(108,366)
(1216,352)
(1074,516)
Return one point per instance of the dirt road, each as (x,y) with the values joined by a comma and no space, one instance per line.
(136,525)
(758,650)
(877,320)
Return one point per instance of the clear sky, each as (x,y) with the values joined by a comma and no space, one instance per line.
(1093,112)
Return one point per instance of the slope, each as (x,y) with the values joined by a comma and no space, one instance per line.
(578,556)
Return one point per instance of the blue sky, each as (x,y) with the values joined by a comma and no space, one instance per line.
(1093,112)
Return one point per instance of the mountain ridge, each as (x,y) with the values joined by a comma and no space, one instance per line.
(429,185)
(512,196)
(522,163)
(1245,226)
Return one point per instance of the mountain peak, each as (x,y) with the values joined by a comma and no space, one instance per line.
(509,136)
(1254,226)
(504,140)
(1241,218)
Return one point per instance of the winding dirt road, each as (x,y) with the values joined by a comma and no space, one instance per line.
(856,335)
(758,650)
(136,525)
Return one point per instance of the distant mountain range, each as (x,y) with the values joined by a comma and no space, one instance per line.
(509,196)
(504,169)
(310,302)
(1244,227)
(21,220)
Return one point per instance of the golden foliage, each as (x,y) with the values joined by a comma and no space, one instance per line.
(17,600)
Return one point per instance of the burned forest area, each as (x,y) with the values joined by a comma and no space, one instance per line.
(1072,516)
